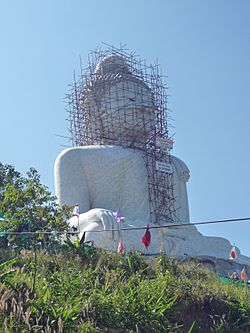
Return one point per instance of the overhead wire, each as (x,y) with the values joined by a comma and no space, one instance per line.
(170,225)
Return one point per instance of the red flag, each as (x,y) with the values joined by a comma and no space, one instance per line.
(146,238)
(233,254)
(120,247)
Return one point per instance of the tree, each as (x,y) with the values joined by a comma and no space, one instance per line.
(28,205)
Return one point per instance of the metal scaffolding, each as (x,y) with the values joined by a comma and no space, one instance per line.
(120,100)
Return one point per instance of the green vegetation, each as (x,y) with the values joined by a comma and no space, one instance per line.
(106,292)
(27,205)
(50,287)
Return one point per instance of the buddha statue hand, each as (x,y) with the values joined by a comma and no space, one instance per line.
(98,220)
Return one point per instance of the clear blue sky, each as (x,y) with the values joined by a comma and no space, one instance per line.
(204,50)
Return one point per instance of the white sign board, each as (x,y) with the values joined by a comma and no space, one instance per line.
(164,167)
(164,143)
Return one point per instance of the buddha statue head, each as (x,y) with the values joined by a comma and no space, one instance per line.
(117,105)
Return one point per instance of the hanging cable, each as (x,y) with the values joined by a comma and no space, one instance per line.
(172,225)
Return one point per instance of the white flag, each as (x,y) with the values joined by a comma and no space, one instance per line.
(76,211)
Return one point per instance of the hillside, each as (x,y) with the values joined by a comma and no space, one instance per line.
(83,290)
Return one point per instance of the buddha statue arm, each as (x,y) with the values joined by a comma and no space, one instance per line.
(70,179)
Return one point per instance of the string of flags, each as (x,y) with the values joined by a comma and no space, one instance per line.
(169,225)
(146,238)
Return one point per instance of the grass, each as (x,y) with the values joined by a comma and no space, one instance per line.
(97,292)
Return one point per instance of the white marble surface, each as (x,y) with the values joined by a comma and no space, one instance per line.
(120,106)
(103,179)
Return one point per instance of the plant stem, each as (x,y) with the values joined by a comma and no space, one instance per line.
(35,266)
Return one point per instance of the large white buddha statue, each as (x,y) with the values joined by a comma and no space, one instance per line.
(111,171)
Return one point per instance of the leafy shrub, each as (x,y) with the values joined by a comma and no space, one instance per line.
(118,294)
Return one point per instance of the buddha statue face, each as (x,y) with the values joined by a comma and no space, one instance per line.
(118,105)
